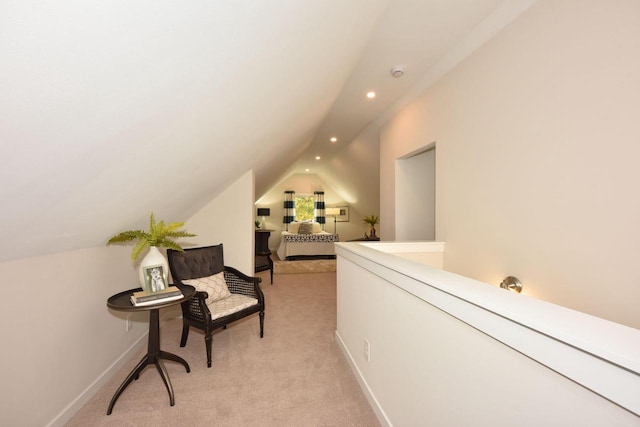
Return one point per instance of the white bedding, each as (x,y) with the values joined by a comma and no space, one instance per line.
(303,247)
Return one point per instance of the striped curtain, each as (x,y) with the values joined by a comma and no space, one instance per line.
(318,207)
(289,208)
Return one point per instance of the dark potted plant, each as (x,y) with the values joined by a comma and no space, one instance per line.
(372,220)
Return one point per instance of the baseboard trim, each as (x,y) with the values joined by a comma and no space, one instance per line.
(67,413)
(375,405)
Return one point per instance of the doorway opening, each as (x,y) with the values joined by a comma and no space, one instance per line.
(416,195)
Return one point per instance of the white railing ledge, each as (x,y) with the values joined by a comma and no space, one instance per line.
(405,247)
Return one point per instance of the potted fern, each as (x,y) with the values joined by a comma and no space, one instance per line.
(159,235)
(372,220)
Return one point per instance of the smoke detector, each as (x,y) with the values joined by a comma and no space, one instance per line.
(398,71)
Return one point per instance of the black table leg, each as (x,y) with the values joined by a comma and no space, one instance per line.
(132,375)
(167,382)
(154,356)
(173,357)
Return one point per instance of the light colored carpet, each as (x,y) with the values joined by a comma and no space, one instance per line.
(304,266)
(295,376)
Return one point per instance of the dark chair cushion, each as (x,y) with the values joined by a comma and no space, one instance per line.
(194,263)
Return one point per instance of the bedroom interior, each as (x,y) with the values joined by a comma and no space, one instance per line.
(208,111)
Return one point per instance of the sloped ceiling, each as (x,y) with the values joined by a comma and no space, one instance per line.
(111,109)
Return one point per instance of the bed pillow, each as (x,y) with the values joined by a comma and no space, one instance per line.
(317,228)
(215,286)
(293,227)
(305,228)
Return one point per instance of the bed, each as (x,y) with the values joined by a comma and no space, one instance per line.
(306,240)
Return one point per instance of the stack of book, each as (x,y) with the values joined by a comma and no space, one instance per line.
(148,298)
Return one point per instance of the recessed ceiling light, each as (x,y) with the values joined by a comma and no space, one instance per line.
(317,157)
(333,139)
(306,170)
(371,94)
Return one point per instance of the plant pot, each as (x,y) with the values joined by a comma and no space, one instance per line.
(153,271)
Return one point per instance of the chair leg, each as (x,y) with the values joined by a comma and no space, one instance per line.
(185,334)
(261,324)
(208,339)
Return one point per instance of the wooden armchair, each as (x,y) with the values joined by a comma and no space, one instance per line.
(223,295)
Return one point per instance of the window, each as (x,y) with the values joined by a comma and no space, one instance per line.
(304,208)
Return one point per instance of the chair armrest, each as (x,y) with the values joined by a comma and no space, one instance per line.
(240,283)
(196,308)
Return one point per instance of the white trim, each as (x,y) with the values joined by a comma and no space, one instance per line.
(406,247)
(70,410)
(375,405)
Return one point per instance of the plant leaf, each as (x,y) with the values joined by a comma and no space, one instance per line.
(138,248)
(126,236)
(159,235)
(172,245)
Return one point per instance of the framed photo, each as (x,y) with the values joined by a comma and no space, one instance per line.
(155,278)
(344,214)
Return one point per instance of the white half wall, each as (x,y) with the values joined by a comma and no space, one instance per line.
(445,350)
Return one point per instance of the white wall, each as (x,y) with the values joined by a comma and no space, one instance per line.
(229,219)
(58,335)
(61,343)
(355,176)
(537,150)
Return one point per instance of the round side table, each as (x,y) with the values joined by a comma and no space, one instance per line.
(122,302)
